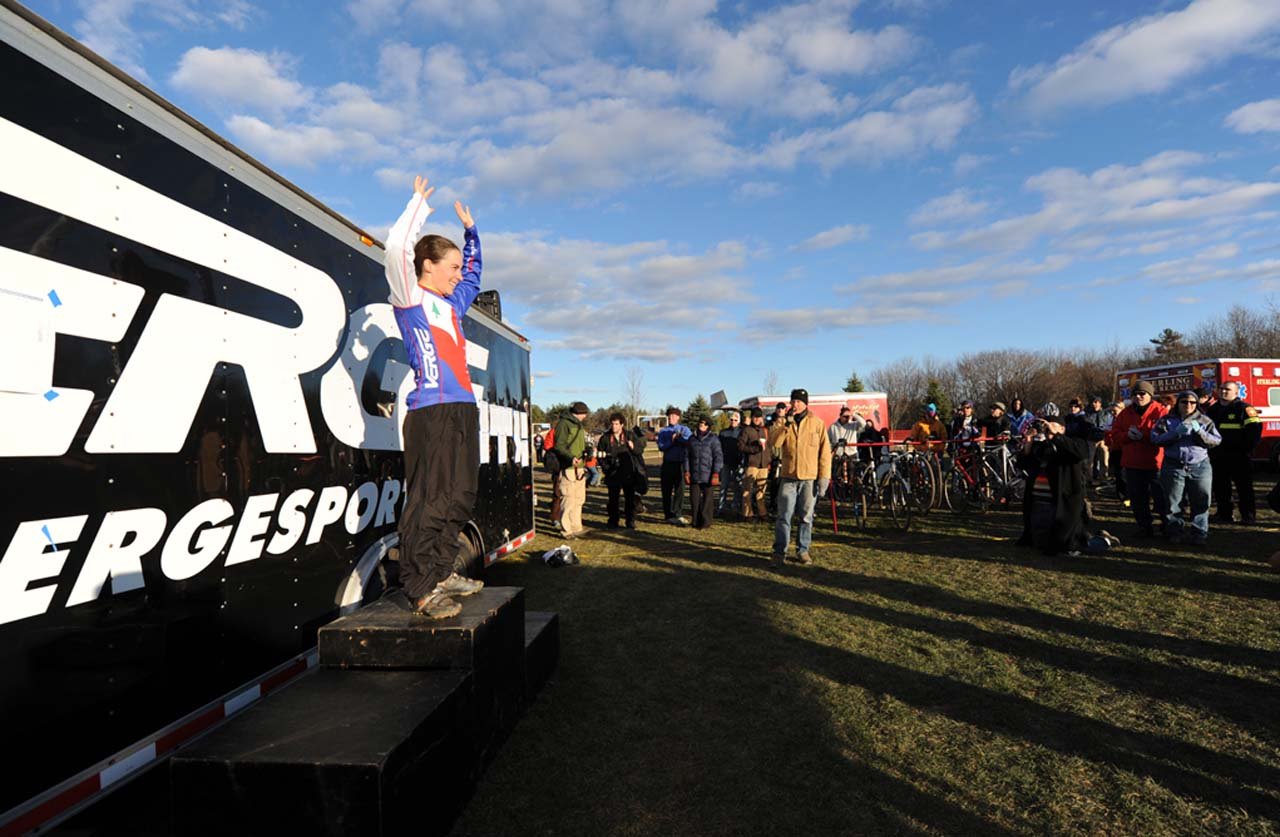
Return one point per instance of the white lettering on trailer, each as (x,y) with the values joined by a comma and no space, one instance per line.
(26,561)
(356,520)
(39,549)
(387,503)
(178,561)
(90,305)
(184,340)
(340,386)
(333,501)
(248,542)
(111,557)
(292,522)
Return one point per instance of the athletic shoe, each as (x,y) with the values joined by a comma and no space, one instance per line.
(456,585)
(803,558)
(437,606)
(1112,540)
(683,521)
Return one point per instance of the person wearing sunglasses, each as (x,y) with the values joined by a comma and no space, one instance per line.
(1187,435)
(1140,459)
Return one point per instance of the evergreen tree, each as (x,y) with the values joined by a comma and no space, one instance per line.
(1168,344)
(854,384)
(699,408)
(537,415)
(937,396)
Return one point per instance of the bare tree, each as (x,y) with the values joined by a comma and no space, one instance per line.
(770,382)
(904,382)
(635,393)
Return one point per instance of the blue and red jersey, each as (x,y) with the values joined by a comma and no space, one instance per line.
(430,324)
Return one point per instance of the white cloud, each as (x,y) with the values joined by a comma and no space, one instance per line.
(982,271)
(834,237)
(602,145)
(1150,54)
(755,189)
(596,299)
(1256,117)
(300,145)
(1157,191)
(240,78)
(966,163)
(927,118)
(1187,300)
(956,206)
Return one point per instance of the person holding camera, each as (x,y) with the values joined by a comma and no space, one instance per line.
(1139,457)
(1187,435)
(1054,514)
(702,473)
(673,441)
(622,452)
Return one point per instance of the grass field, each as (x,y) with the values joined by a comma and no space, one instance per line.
(939,681)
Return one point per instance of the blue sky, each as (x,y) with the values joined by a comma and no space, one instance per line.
(711,192)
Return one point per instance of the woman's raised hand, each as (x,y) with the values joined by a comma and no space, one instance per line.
(464,214)
(420,187)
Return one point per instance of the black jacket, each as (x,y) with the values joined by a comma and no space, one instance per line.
(622,464)
(1060,462)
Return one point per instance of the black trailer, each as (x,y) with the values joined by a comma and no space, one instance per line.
(199,437)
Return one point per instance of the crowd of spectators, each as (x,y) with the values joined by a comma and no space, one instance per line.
(1167,459)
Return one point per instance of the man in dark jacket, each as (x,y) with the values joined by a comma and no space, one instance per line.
(753,445)
(622,452)
(672,441)
(1054,515)
(731,476)
(1241,429)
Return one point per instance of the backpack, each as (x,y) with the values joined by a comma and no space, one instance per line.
(549,440)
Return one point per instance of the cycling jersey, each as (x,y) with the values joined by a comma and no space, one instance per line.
(430,324)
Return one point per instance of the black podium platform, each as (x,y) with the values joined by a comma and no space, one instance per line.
(389,735)
(338,753)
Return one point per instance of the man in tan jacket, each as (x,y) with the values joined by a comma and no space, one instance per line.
(806,460)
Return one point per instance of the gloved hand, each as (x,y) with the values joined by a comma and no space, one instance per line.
(715,479)
(1190,427)
(1135,433)
(822,485)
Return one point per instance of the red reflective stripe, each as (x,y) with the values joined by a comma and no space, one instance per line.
(189,730)
(278,679)
(46,811)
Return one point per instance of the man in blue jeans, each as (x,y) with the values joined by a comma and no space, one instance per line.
(1186,435)
(806,459)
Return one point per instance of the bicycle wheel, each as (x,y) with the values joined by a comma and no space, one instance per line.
(920,480)
(896,494)
(958,492)
(858,505)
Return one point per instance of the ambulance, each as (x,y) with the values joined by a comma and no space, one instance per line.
(1259,380)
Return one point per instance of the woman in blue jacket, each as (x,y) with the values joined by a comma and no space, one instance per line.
(1186,434)
(702,471)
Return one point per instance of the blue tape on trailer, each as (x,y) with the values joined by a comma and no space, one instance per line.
(53,297)
(45,529)
(50,395)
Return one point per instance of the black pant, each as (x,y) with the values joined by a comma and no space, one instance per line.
(628,494)
(1233,467)
(672,489)
(1145,492)
(441,473)
(702,498)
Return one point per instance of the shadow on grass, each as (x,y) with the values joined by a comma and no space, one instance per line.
(683,706)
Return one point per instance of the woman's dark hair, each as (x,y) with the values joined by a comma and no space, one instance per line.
(619,418)
(431,248)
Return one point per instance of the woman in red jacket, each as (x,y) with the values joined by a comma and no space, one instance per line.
(1131,436)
